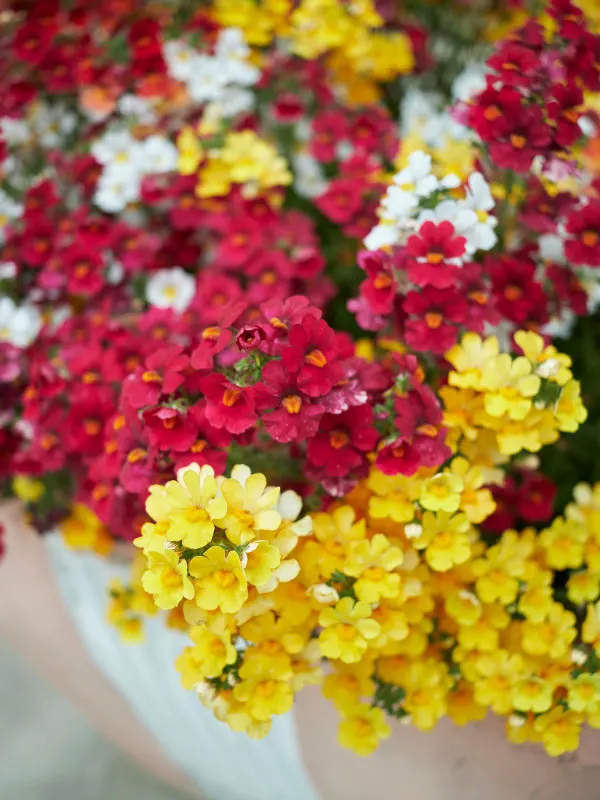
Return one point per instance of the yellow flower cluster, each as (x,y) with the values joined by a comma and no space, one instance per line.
(130,603)
(360,53)
(82,530)
(218,550)
(391,598)
(517,404)
(242,159)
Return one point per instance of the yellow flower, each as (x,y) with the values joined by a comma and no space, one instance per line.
(590,630)
(260,559)
(211,652)
(27,489)
(268,659)
(250,506)
(82,530)
(371,562)
(167,579)
(569,410)
(363,729)
(253,162)
(469,358)
(394,496)
(498,672)
(462,707)
(264,698)
(154,536)
(347,629)
(219,580)
(441,492)
(559,731)
(563,543)
(553,636)
(191,504)
(463,606)
(584,693)
(445,540)
(190,151)
(477,502)
(348,684)
(532,694)
(510,386)
(547,361)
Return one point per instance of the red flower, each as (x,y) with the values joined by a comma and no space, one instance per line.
(438,313)
(214,340)
(312,352)
(161,374)
(516,292)
(168,428)
(568,289)
(583,226)
(379,289)
(329,128)
(343,440)
(84,424)
(437,251)
(398,458)
(535,501)
(295,416)
(516,63)
(341,201)
(288,108)
(250,337)
(227,405)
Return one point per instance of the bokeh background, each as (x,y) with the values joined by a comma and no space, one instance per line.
(49,752)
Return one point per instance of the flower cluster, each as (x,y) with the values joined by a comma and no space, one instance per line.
(219,246)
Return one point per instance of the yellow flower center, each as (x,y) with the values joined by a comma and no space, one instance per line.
(171,578)
(316,359)
(346,632)
(223,578)
(266,689)
(374,573)
(194,514)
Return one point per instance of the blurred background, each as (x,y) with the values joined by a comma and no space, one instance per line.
(48,751)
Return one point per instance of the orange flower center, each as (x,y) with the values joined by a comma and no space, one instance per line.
(518,141)
(169,423)
(338,439)
(433,319)
(427,430)
(435,258)
(266,689)
(277,323)
(292,404)
(211,333)
(231,396)
(92,427)
(590,238)
(198,446)
(382,280)
(316,358)
(346,632)
(513,292)
(137,454)
(151,376)
(492,113)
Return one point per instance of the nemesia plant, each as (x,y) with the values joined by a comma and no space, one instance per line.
(302,353)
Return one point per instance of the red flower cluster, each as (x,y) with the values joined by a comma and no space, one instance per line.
(532,103)
(526,496)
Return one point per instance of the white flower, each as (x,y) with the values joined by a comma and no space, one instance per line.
(398,204)
(552,248)
(323,594)
(8,269)
(417,175)
(232,45)
(180,59)
(52,124)
(469,83)
(449,210)
(207,83)
(19,325)
(479,199)
(309,180)
(233,100)
(158,154)
(171,288)
(239,73)
(118,147)
(130,105)
(382,235)
(116,188)
(14,131)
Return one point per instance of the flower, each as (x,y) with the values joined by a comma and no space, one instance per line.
(347,629)
(363,729)
(167,579)
(19,325)
(250,506)
(342,441)
(171,288)
(312,353)
(227,405)
(219,580)
(211,653)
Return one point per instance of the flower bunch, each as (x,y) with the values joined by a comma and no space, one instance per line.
(220,247)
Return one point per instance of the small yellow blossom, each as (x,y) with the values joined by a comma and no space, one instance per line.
(167,579)
(346,630)
(362,729)
(219,580)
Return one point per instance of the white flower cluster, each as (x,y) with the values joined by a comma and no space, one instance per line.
(171,288)
(19,325)
(126,161)
(403,210)
(220,79)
